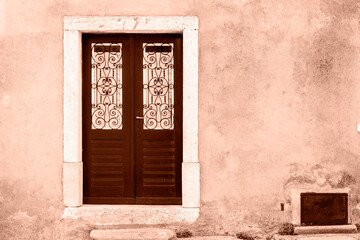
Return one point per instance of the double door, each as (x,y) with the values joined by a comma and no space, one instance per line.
(132,118)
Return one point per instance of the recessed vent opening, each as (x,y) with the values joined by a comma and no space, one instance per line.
(324,209)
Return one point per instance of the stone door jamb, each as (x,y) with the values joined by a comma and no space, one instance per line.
(74,26)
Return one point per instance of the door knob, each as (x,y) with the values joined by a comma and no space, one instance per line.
(137,117)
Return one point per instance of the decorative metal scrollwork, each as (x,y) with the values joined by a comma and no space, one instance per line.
(106,85)
(158,85)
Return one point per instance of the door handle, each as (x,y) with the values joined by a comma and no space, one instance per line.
(137,117)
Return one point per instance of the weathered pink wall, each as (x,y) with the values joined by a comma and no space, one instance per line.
(279,100)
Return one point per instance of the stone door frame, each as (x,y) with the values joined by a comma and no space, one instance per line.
(74,26)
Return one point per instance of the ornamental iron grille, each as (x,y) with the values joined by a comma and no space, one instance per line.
(106,85)
(158,86)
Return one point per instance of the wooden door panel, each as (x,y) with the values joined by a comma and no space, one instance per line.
(108,147)
(158,148)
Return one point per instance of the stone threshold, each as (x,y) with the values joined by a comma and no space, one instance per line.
(146,234)
(133,234)
(329,229)
(130,214)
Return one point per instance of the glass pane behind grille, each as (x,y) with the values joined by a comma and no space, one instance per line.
(158,86)
(106,85)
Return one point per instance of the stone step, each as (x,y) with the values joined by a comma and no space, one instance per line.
(318,237)
(133,234)
(212,238)
(325,229)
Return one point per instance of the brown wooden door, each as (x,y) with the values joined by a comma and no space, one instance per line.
(132,118)
(158,100)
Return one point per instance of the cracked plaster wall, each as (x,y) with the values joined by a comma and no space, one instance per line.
(279,97)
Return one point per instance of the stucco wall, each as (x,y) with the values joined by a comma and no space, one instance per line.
(279,100)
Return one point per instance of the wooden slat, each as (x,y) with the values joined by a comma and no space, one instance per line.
(107,142)
(159,158)
(156,143)
(159,173)
(158,151)
(106,158)
(107,150)
(96,171)
(106,164)
(158,200)
(108,200)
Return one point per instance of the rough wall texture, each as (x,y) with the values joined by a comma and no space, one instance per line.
(279,100)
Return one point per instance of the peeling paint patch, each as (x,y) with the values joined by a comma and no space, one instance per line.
(6,100)
(22,216)
(319,175)
(28,213)
(345,180)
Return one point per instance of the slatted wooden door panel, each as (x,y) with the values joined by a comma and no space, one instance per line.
(158,127)
(108,119)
